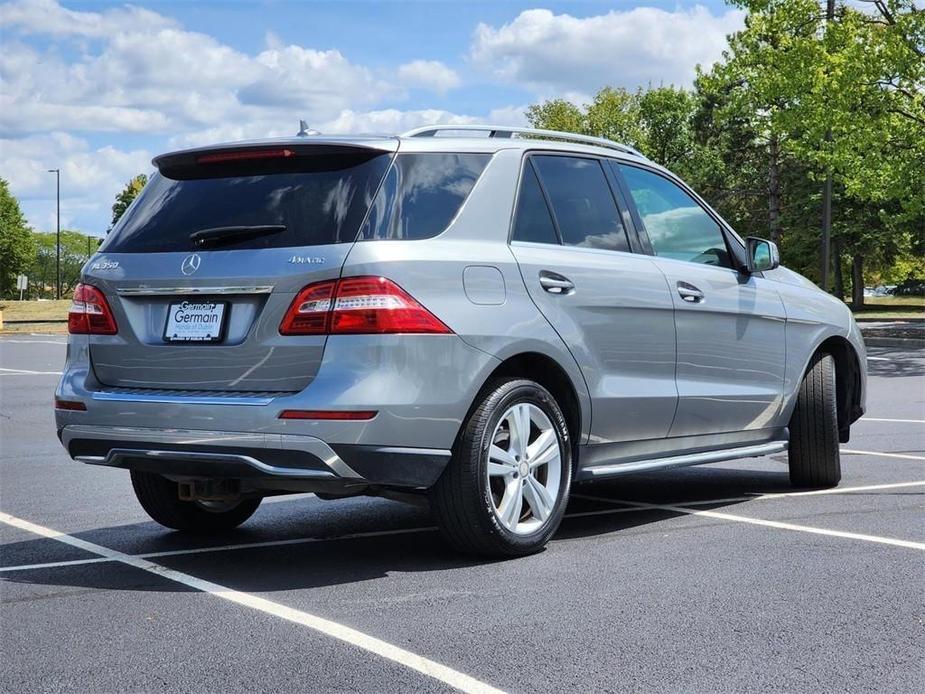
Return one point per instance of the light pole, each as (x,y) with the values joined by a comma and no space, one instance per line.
(57,173)
(826,259)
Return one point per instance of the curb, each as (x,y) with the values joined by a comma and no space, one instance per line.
(898,342)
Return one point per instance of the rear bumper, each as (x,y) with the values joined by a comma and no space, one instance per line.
(266,460)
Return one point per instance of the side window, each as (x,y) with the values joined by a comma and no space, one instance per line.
(582,202)
(531,219)
(421,195)
(677,225)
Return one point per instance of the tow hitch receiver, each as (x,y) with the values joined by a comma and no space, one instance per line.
(209,490)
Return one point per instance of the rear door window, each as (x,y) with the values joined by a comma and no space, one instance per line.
(582,202)
(421,195)
(677,226)
(532,221)
(319,198)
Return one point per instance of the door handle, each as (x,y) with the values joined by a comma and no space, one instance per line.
(690,293)
(555,283)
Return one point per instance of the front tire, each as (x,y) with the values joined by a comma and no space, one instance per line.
(506,488)
(159,497)
(813,454)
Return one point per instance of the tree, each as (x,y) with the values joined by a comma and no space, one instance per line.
(657,121)
(845,97)
(16,248)
(126,195)
(76,249)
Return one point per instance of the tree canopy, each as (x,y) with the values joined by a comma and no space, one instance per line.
(796,96)
(126,195)
(16,246)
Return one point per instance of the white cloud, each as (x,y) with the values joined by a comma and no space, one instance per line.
(48,17)
(138,71)
(90,178)
(428,74)
(554,53)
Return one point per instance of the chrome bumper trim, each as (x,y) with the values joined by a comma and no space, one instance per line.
(181,291)
(218,439)
(183,399)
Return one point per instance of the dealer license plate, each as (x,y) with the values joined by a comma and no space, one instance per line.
(195,321)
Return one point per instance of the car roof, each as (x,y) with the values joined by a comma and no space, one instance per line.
(429,140)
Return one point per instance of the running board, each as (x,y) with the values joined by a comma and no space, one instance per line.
(703,458)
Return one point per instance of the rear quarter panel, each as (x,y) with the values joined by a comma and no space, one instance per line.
(451,275)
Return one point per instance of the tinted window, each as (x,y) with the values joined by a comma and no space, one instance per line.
(320,199)
(531,220)
(677,225)
(421,194)
(582,202)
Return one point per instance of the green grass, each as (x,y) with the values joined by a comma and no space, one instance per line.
(35,310)
(892,307)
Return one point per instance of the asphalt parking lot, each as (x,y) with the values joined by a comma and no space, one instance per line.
(709,579)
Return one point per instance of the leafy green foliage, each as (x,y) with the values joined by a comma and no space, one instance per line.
(126,195)
(795,96)
(76,249)
(16,246)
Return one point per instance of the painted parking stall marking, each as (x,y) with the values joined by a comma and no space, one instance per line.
(428,529)
(758,521)
(425,666)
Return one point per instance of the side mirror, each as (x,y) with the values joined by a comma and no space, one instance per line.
(762,254)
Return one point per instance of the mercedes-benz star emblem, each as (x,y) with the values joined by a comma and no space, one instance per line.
(190,264)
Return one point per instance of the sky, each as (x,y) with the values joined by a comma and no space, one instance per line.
(96,89)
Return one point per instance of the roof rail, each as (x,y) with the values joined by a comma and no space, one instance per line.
(509,131)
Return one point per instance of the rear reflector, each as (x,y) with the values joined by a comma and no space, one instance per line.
(351,415)
(358,306)
(70,405)
(245,155)
(90,313)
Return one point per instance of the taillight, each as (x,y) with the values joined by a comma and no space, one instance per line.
(90,313)
(310,311)
(358,305)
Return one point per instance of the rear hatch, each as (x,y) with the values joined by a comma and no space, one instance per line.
(203,266)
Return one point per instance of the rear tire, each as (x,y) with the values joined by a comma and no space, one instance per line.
(813,454)
(159,497)
(484,500)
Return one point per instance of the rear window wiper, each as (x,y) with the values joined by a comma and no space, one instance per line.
(220,236)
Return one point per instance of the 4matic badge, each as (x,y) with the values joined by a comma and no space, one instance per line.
(306,260)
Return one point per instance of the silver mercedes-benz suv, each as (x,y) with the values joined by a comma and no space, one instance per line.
(481,321)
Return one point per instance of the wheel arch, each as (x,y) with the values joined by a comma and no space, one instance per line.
(847,381)
(553,377)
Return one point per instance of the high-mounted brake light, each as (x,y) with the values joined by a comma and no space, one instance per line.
(245,155)
(90,313)
(358,306)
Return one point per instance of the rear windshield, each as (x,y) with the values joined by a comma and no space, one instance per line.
(319,199)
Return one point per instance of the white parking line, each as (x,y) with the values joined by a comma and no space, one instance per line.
(32,342)
(758,521)
(356,638)
(881,419)
(428,529)
(26,372)
(904,456)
